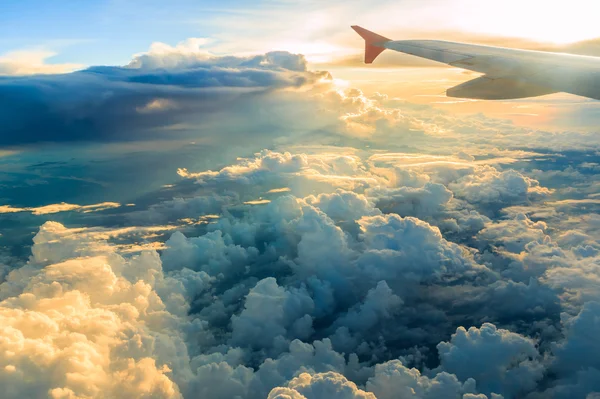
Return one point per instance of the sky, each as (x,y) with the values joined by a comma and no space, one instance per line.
(219,200)
(101,32)
(39,37)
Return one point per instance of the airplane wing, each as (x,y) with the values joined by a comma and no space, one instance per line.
(507,73)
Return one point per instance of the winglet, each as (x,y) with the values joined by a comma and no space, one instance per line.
(374,43)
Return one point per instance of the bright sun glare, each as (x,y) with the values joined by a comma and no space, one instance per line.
(558,22)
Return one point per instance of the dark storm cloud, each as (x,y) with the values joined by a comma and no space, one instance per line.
(131,103)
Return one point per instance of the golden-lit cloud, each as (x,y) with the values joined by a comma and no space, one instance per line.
(157,105)
(257,202)
(61,207)
(30,62)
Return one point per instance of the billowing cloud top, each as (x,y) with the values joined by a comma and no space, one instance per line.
(164,87)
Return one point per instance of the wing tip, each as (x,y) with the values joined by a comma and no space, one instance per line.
(373,43)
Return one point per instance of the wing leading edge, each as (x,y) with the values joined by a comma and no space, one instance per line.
(507,73)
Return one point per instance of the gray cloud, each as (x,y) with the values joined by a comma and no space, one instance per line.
(142,101)
(500,361)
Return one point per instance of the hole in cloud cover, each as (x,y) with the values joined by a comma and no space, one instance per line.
(351,256)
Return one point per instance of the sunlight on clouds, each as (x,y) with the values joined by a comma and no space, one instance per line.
(128,239)
(200,220)
(257,202)
(583,202)
(6,153)
(70,317)
(421,160)
(341,83)
(427,86)
(279,190)
(62,207)
(11,209)
(30,62)
(315,52)
(157,105)
(164,55)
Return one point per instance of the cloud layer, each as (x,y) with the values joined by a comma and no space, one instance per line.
(303,295)
(160,91)
(381,249)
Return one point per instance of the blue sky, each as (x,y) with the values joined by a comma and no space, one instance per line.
(100,32)
(104,32)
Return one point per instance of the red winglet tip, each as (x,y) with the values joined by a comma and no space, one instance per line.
(373,43)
